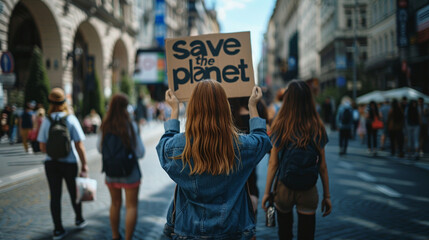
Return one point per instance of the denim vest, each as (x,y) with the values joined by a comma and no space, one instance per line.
(213,206)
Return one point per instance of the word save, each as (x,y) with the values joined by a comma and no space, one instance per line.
(200,66)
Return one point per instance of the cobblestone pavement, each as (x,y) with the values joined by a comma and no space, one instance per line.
(373,198)
(24,208)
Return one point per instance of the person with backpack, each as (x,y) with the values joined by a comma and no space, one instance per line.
(61,138)
(297,158)
(211,163)
(345,123)
(120,145)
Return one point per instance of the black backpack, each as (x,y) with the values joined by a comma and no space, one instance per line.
(347,116)
(59,142)
(118,161)
(299,169)
(26,120)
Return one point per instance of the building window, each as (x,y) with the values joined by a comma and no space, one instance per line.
(380,46)
(349,56)
(363,18)
(386,44)
(384,7)
(363,56)
(392,41)
(374,12)
(121,11)
(349,19)
(380,9)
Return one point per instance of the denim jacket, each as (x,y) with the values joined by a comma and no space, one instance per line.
(212,206)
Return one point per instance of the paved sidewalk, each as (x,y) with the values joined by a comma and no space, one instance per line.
(24,206)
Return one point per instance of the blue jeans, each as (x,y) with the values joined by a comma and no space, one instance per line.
(413,137)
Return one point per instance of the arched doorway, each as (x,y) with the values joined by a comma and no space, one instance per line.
(23,36)
(87,63)
(119,63)
(32,23)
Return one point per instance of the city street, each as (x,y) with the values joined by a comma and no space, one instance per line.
(373,198)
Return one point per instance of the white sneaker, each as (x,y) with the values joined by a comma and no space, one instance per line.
(81,223)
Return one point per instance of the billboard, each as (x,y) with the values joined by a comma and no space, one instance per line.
(402,20)
(422,22)
(150,67)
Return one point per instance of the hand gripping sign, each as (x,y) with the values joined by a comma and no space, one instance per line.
(226,58)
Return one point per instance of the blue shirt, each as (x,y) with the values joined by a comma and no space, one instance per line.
(213,206)
(76,134)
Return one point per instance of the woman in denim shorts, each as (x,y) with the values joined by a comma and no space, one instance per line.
(297,125)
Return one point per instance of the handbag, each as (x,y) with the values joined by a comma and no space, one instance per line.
(270,215)
(377,124)
(86,189)
(32,135)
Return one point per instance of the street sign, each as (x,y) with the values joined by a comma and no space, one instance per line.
(6,62)
(341,81)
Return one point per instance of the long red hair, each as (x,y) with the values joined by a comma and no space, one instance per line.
(118,122)
(210,131)
(297,122)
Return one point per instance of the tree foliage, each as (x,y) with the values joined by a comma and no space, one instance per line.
(127,87)
(37,86)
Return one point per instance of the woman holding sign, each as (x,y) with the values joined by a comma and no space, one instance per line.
(211,163)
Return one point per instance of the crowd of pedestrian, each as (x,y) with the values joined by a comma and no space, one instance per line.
(22,125)
(400,127)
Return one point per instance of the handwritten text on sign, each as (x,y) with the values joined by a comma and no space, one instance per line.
(222,57)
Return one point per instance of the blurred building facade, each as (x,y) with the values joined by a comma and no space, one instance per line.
(340,22)
(391,36)
(74,36)
(79,35)
(383,55)
(161,19)
(201,19)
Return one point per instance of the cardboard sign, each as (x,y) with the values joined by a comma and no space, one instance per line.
(226,58)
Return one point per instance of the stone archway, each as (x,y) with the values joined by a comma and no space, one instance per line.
(119,62)
(32,23)
(87,54)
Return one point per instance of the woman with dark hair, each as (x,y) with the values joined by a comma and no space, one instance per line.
(297,129)
(395,126)
(371,114)
(118,122)
(65,167)
(210,163)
